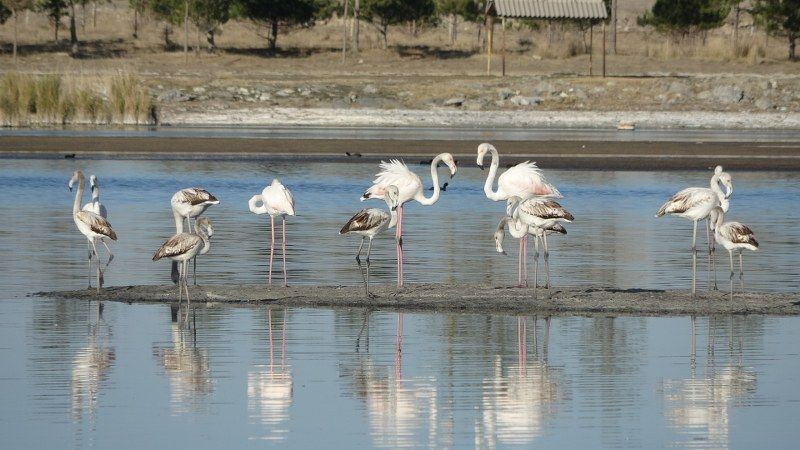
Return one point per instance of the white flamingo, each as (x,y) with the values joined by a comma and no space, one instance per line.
(409,187)
(735,237)
(188,204)
(695,204)
(185,246)
(371,222)
(275,200)
(93,226)
(543,214)
(524,180)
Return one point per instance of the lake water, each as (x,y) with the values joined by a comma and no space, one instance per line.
(249,376)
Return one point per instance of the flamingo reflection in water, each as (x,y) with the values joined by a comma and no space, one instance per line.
(269,388)
(700,404)
(187,368)
(90,368)
(397,407)
(518,400)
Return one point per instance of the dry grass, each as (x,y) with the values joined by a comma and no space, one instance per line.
(27,99)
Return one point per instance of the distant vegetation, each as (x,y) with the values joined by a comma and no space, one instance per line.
(51,99)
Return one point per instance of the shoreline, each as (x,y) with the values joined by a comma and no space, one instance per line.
(461,298)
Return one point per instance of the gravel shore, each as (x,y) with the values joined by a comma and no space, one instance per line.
(463,298)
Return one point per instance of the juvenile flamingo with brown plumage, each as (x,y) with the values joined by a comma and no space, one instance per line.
(94,226)
(188,204)
(183,247)
(369,223)
(735,237)
(276,200)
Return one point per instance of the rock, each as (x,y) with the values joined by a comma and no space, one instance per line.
(579,94)
(243,91)
(305,92)
(370,89)
(544,88)
(352,97)
(172,95)
(563,94)
(199,90)
(705,95)
(230,89)
(404,94)
(519,100)
(763,103)
(504,93)
(474,105)
(455,101)
(727,94)
(264,97)
(677,87)
(285,92)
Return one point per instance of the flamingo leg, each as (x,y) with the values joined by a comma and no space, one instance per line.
(741,273)
(535,264)
(519,264)
(186,285)
(271,247)
(99,274)
(730,253)
(525,259)
(546,261)
(110,255)
(400,225)
(708,240)
(194,270)
(180,283)
(283,245)
(369,250)
(360,246)
(397,247)
(714,259)
(694,259)
(89,244)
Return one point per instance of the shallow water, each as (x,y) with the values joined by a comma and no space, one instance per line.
(246,376)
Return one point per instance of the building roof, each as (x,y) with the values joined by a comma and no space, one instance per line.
(548,9)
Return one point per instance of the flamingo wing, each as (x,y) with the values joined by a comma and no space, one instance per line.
(177,245)
(739,233)
(526,180)
(686,200)
(364,220)
(546,209)
(194,196)
(395,173)
(279,199)
(97,224)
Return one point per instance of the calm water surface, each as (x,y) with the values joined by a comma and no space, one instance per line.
(254,376)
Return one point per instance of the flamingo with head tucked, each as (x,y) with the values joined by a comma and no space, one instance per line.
(276,200)
(735,237)
(409,185)
(98,208)
(188,204)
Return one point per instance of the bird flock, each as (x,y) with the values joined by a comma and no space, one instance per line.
(531,210)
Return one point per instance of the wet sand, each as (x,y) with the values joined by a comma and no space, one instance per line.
(577,153)
(462,298)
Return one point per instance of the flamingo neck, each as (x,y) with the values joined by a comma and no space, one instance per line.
(420,197)
(76,205)
(392,213)
(487,187)
(717,190)
(199,231)
(253,204)
(178,222)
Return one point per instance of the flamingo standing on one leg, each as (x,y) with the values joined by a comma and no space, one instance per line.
(525,180)
(182,247)
(735,237)
(410,188)
(275,200)
(98,208)
(695,204)
(369,223)
(93,226)
(188,204)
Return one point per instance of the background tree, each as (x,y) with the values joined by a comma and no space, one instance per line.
(54,10)
(272,13)
(780,18)
(171,12)
(383,13)
(681,17)
(208,16)
(468,10)
(138,7)
(16,7)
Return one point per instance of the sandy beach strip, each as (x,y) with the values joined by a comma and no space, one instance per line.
(472,298)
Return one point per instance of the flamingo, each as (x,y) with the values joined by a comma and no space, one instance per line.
(695,204)
(275,200)
(93,226)
(98,208)
(525,180)
(370,222)
(409,187)
(188,204)
(185,246)
(520,230)
(543,214)
(735,237)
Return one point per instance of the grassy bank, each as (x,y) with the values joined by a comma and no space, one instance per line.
(27,99)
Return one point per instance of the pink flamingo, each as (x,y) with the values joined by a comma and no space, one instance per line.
(275,200)
(409,187)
